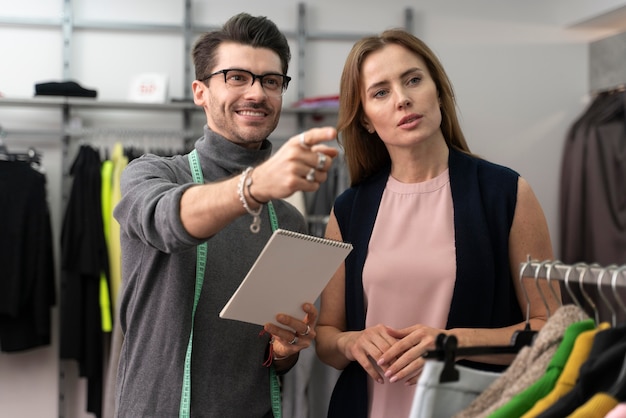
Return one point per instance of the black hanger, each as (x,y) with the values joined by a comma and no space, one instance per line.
(31,156)
(520,339)
(448,343)
(4,151)
(447,349)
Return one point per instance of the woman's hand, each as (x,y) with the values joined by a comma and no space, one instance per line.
(404,361)
(366,347)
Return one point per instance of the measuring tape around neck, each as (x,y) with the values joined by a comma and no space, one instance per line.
(185,401)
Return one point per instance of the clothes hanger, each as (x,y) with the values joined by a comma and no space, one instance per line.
(549,278)
(537,285)
(603,296)
(4,151)
(581,281)
(571,293)
(448,344)
(526,336)
(617,272)
(447,349)
(31,156)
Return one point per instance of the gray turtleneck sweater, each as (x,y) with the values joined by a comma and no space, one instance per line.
(158,270)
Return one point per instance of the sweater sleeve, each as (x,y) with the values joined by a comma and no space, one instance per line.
(149,209)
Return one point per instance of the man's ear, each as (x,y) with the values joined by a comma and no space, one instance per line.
(198,88)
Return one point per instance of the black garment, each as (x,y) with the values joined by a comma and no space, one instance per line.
(27,290)
(84,258)
(63,88)
(598,374)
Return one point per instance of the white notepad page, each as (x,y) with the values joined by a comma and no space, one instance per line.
(292,269)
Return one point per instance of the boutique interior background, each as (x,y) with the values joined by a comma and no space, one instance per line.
(521,71)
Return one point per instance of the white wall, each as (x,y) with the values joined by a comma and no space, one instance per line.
(520,70)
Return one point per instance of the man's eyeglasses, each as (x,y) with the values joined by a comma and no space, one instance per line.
(273,84)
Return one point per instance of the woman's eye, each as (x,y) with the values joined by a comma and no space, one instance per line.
(414,80)
(380,93)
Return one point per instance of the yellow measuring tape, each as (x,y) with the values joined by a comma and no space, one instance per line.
(185,401)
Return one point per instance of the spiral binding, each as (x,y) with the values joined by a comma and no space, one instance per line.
(326,241)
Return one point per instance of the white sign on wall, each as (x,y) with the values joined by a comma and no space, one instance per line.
(148,88)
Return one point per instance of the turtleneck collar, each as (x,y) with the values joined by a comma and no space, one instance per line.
(221,157)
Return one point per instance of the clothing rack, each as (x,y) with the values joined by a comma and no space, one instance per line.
(133,133)
(31,156)
(586,284)
(582,274)
(585,273)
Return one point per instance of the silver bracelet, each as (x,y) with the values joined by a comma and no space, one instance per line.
(255,226)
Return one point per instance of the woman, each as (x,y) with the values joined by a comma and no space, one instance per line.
(438,233)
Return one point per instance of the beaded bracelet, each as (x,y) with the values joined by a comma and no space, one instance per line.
(255,226)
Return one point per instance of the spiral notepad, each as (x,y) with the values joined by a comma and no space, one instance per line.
(292,269)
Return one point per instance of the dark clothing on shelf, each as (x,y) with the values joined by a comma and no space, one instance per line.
(63,88)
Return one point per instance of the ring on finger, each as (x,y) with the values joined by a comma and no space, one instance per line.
(303,144)
(294,341)
(321,161)
(310,176)
(308,329)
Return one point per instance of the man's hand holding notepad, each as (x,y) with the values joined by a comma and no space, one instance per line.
(292,269)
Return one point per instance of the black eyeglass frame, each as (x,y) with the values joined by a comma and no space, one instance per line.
(286,78)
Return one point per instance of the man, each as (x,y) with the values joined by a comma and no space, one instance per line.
(164,217)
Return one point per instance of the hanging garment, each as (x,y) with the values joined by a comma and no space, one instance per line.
(105,290)
(598,374)
(529,364)
(27,288)
(442,400)
(598,406)
(84,258)
(118,163)
(569,375)
(523,401)
(593,191)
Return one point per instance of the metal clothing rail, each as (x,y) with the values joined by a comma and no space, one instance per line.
(586,284)
(614,275)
